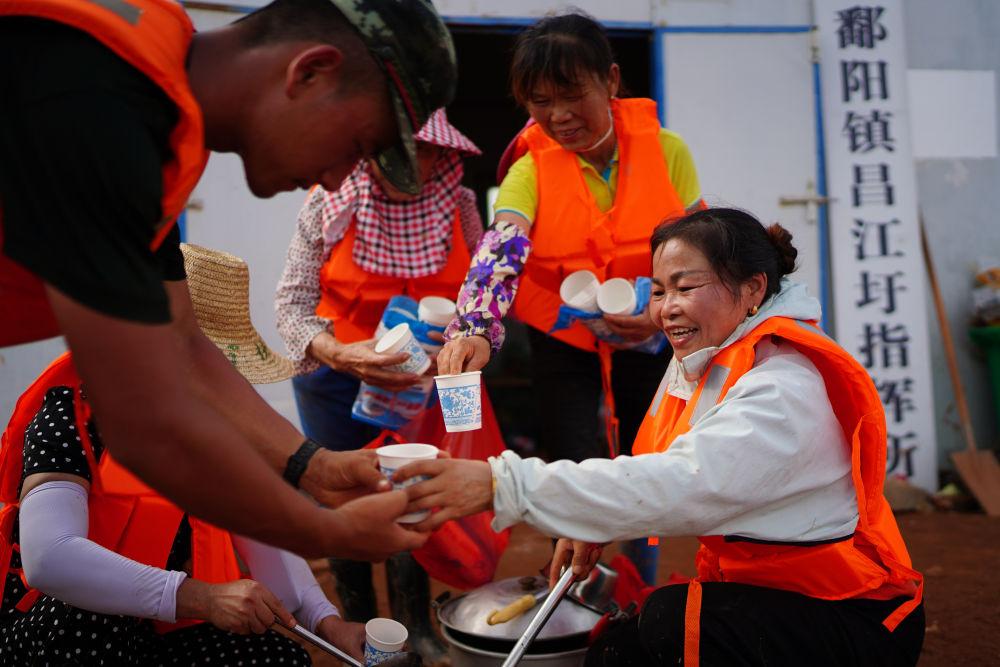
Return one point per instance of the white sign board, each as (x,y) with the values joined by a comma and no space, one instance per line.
(878,275)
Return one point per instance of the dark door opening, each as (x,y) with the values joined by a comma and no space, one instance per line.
(486,112)
(484,108)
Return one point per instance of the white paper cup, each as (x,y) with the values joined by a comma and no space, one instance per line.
(461,401)
(436,310)
(384,638)
(401,339)
(616,297)
(579,290)
(393,457)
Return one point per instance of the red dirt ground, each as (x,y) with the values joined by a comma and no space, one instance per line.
(959,555)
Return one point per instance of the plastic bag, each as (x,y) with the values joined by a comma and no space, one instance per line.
(986,294)
(394,409)
(462,553)
(595,322)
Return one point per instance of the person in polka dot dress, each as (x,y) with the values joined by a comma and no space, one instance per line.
(98,607)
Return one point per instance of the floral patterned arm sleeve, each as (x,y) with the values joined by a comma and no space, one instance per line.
(298,291)
(491,284)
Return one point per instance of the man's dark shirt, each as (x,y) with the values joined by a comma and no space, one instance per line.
(83,137)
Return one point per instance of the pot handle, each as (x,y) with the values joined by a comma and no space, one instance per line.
(439,601)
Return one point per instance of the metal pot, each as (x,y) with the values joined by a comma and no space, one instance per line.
(473,642)
(463,655)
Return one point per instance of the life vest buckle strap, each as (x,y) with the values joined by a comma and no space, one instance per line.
(604,352)
(28,600)
(692,624)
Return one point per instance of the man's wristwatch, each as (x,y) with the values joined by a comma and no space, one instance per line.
(299,461)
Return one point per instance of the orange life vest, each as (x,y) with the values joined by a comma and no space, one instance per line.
(126,516)
(571,233)
(153,36)
(354,299)
(871,563)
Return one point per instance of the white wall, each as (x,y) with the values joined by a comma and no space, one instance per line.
(620,11)
(732,12)
(959,194)
(228,217)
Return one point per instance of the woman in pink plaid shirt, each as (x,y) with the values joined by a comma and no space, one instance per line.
(353,249)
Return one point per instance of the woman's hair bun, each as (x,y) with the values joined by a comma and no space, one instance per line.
(781,239)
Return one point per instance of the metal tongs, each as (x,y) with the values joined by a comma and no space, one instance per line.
(555,596)
(408,659)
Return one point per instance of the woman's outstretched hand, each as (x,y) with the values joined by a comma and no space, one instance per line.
(362,361)
(457,487)
(463,354)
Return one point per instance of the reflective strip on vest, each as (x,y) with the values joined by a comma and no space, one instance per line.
(812,328)
(126,10)
(710,391)
(658,396)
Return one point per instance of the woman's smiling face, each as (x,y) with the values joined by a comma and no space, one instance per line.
(691,304)
(576,117)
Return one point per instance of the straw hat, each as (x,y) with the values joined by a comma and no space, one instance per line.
(220,291)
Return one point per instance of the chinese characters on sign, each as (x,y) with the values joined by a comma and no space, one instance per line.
(878,280)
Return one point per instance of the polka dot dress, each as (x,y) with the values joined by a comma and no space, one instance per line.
(56,633)
(51,443)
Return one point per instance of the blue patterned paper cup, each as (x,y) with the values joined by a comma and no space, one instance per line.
(401,339)
(461,401)
(384,638)
(393,457)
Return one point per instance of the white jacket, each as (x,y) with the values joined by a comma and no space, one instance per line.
(769,462)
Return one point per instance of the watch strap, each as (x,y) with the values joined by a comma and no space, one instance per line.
(299,461)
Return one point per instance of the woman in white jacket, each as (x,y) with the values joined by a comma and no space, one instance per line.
(765,440)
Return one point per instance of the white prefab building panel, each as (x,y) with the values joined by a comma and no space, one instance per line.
(19,366)
(628,11)
(953,113)
(227,217)
(744,104)
(731,12)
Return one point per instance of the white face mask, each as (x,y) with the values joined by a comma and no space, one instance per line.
(611,129)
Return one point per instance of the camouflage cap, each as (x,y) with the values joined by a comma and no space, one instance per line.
(413,47)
